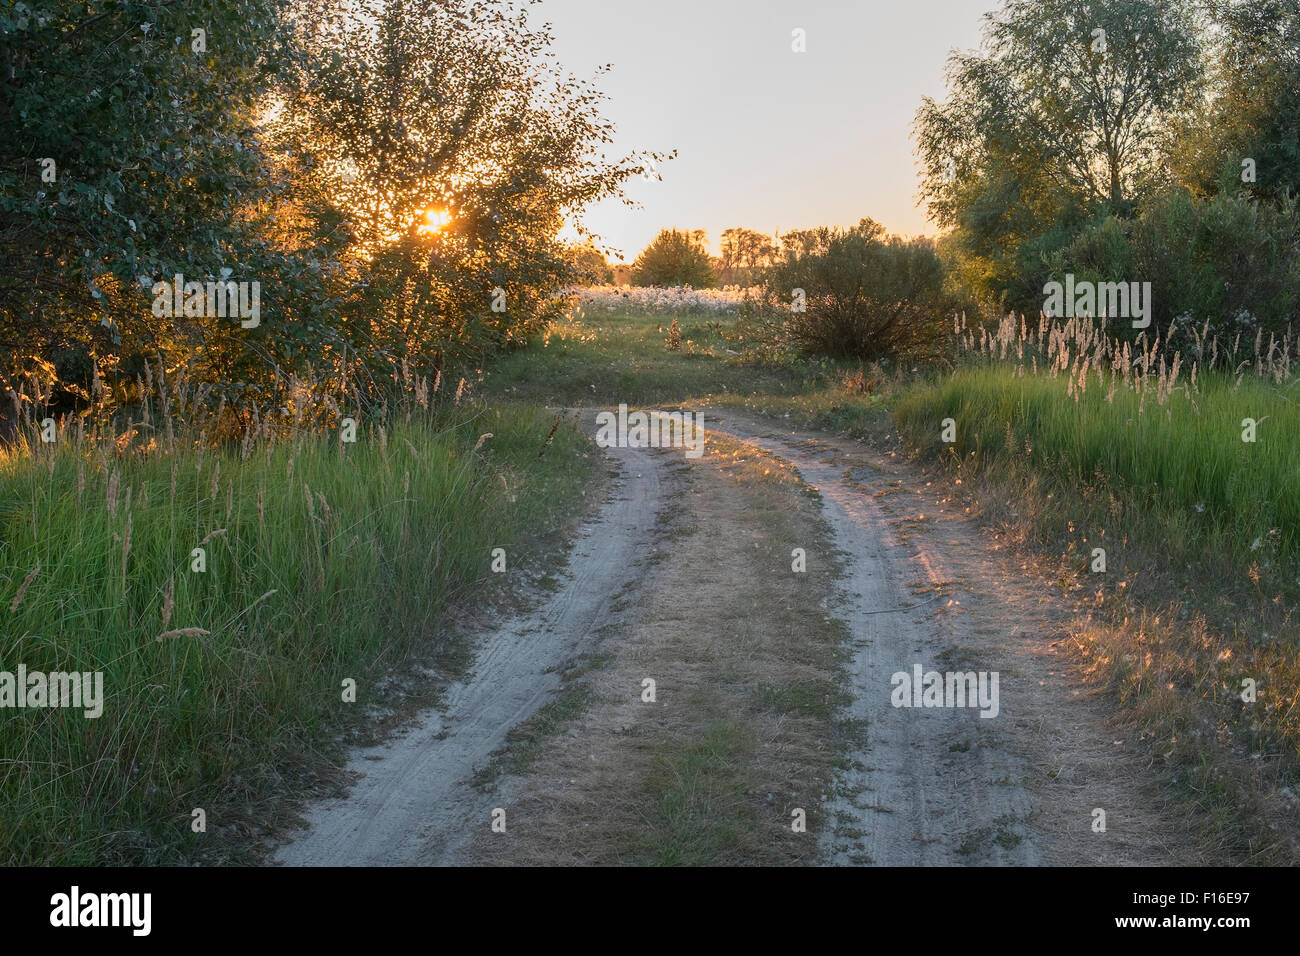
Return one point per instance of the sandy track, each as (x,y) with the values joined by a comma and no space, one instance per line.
(926,786)
(414,803)
(929,780)
(945,786)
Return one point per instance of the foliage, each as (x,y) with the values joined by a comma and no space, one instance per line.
(323,560)
(157,170)
(1051,121)
(394,175)
(590,265)
(1230,264)
(674,258)
(1255,112)
(864,294)
(743,253)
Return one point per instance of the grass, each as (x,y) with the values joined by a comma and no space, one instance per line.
(697,793)
(601,359)
(1201,531)
(1176,499)
(1201,534)
(323,562)
(1180,470)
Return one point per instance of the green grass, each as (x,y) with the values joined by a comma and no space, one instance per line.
(812,699)
(1202,537)
(605,359)
(1184,467)
(700,810)
(325,562)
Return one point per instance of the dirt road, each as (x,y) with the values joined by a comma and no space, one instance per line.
(414,802)
(686,574)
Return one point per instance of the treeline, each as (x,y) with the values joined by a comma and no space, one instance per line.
(679,257)
(254,191)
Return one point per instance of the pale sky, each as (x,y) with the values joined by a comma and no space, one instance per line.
(767,138)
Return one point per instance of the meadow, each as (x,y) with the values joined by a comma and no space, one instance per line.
(232,593)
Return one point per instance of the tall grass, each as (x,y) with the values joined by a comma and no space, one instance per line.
(1082,442)
(1184,459)
(325,561)
(1204,443)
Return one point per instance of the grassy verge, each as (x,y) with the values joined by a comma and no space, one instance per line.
(1201,534)
(322,562)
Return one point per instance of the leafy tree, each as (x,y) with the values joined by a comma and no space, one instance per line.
(393,174)
(743,252)
(1064,111)
(1255,111)
(674,258)
(455,148)
(128,153)
(590,265)
(858,292)
(1228,263)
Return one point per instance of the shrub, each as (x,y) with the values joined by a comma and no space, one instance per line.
(1229,261)
(865,295)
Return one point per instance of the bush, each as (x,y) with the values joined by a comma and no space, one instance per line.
(674,258)
(865,295)
(1229,261)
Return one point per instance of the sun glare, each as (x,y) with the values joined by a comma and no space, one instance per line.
(435,220)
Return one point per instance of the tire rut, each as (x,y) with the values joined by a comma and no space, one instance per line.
(945,786)
(414,802)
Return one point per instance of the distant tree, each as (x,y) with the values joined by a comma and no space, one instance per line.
(743,252)
(590,265)
(674,258)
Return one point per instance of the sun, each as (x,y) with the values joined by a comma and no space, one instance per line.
(435,220)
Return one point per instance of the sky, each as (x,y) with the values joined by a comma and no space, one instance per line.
(767,138)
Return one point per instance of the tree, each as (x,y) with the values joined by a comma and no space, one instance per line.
(129,152)
(1254,116)
(1065,112)
(743,252)
(674,258)
(456,149)
(590,265)
(394,174)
